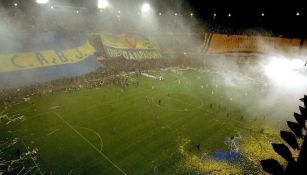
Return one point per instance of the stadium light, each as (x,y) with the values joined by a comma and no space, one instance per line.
(214,16)
(145,7)
(15,4)
(118,11)
(102,4)
(160,14)
(52,7)
(262,14)
(191,14)
(77,11)
(297,14)
(229,14)
(42,1)
(176,14)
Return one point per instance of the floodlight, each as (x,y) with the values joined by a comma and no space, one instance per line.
(145,7)
(42,1)
(102,4)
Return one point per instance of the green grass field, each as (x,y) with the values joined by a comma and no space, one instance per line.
(114,130)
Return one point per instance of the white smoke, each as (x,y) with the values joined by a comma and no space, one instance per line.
(277,79)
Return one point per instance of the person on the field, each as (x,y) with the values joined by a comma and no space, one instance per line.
(159,102)
(114,131)
(18,152)
(198,146)
(156,170)
(231,143)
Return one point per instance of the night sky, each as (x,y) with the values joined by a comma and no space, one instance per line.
(279,16)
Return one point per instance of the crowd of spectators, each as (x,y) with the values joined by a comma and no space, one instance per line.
(114,72)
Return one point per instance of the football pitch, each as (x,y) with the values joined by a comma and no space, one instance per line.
(170,126)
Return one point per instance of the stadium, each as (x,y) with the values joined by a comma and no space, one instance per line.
(151,87)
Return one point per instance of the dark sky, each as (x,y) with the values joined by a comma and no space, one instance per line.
(279,16)
(201,6)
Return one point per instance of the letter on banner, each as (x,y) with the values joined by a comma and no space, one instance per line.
(13,60)
(42,60)
(61,56)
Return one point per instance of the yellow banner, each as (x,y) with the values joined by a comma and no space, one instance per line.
(221,43)
(130,46)
(128,41)
(31,60)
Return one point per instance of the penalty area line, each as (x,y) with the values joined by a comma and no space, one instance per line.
(87,141)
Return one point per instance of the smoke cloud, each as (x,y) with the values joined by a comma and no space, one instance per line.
(278,78)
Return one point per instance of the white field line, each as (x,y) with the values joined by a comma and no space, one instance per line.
(87,141)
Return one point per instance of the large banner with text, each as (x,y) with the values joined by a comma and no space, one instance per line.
(31,60)
(130,46)
(243,44)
